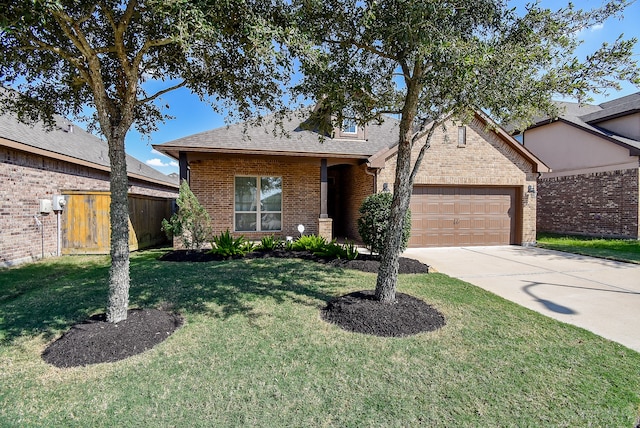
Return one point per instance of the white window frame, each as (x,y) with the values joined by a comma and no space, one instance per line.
(348,124)
(258,212)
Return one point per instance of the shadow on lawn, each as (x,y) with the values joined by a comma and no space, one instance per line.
(72,292)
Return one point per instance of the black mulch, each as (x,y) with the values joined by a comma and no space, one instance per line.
(97,341)
(361,313)
(364,262)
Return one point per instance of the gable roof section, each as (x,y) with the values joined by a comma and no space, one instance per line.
(242,139)
(76,146)
(586,118)
(378,159)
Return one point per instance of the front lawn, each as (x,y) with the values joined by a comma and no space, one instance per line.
(254,352)
(624,250)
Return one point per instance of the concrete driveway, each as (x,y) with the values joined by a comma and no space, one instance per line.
(599,295)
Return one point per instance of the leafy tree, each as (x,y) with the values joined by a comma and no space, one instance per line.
(430,61)
(118,57)
(191,223)
(373,223)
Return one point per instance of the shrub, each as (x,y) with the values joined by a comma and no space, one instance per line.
(191,223)
(334,250)
(311,243)
(351,250)
(226,245)
(374,217)
(270,243)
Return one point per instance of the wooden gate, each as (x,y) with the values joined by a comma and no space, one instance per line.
(86,225)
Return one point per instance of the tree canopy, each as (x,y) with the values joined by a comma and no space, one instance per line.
(118,57)
(429,61)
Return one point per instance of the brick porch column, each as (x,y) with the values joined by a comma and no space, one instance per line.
(325,224)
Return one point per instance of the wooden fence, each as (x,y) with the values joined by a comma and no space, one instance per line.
(86,225)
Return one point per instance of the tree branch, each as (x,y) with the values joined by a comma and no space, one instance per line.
(162,92)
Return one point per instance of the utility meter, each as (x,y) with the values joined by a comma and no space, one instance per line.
(59,202)
(45,206)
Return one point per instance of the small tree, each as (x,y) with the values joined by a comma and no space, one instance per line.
(373,223)
(191,223)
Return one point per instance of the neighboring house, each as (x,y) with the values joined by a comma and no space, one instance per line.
(594,155)
(475,187)
(36,165)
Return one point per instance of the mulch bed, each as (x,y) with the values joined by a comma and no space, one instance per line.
(364,262)
(361,313)
(97,341)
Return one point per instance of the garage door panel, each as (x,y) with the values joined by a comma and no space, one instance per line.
(455,216)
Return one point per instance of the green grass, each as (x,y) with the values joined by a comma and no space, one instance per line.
(254,352)
(625,250)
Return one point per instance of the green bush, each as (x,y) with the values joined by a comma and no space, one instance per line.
(374,217)
(226,245)
(311,243)
(334,250)
(351,250)
(270,243)
(191,223)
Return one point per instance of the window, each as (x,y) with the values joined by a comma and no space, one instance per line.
(462,136)
(258,204)
(349,126)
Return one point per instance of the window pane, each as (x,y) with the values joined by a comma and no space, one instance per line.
(245,222)
(349,126)
(246,193)
(271,221)
(271,194)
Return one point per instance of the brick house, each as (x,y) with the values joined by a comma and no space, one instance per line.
(36,164)
(475,186)
(594,155)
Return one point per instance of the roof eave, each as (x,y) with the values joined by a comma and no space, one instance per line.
(77,161)
(538,165)
(174,152)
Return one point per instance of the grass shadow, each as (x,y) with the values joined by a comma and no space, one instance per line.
(49,298)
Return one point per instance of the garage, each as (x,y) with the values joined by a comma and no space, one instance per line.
(462,216)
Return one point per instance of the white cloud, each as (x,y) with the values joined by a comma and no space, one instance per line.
(156,162)
(174,163)
(596,27)
(157,153)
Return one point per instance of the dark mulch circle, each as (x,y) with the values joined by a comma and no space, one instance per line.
(97,341)
(364,262)
(361,313)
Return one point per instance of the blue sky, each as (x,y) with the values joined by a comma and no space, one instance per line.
(192,116)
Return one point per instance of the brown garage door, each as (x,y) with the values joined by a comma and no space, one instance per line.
(456,216)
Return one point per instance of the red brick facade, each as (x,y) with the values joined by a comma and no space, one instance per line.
(25,179)
(597,204)
(212,181)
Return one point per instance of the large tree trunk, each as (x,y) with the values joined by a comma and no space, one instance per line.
(388,271)
(119,271)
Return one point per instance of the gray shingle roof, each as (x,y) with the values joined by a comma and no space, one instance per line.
(298,141)
(77,144)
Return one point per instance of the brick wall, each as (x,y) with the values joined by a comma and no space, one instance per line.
(25,178)
(485,160)
(212,181)
(596,204)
